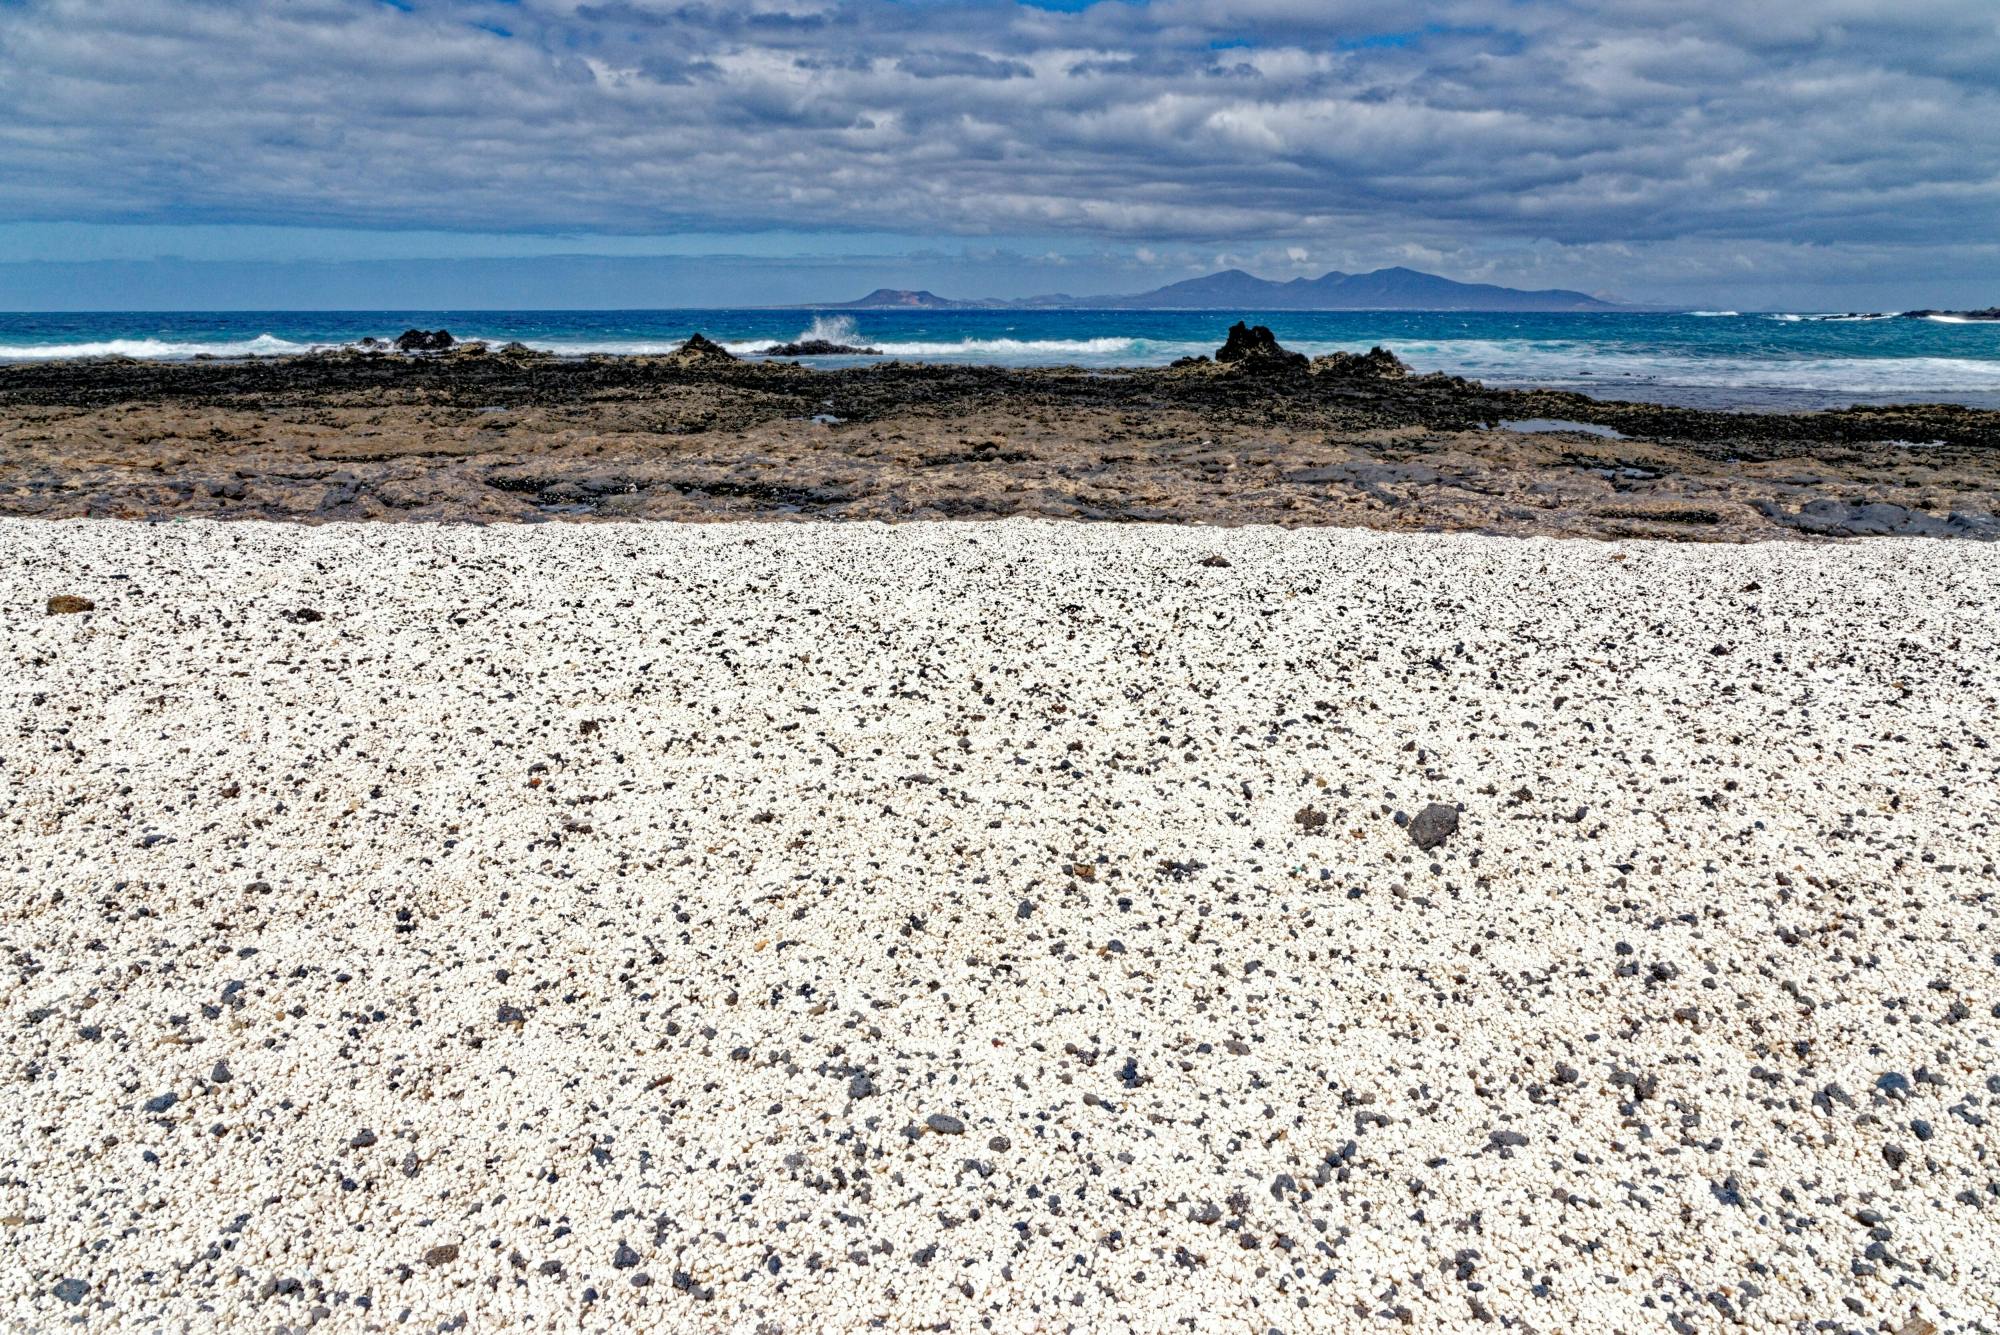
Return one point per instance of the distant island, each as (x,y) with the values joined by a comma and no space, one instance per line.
(1396,289)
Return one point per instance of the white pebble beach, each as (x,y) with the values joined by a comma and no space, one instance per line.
(1010,926)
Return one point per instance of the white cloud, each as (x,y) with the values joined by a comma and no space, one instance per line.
(1293,127)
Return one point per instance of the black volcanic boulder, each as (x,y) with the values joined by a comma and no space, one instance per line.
(819,347)
(1374,364)
(700,348)
(1256,349)
(424,340)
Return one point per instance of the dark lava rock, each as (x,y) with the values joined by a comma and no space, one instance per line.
(819,347)
(443,1254)
(1375,364)
(1214,562)
(221,1074)
(70,1291)
(701,348)
(1433,825)
(860,1086)
(160,1103)
(1256,349)
(1878,519)
(624,1258)
(945,1124)
(424,340)
(304,616)
(507,1014)
(1310,819)
(68,604)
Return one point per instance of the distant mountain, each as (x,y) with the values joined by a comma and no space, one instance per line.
(1395,289)
(900,299)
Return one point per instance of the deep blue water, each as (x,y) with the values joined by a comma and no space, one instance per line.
(1728,360)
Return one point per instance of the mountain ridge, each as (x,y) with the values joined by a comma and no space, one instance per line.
(1394,288)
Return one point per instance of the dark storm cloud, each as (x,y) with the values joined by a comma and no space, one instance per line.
(1825,123)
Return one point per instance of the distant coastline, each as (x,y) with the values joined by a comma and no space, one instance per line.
(1392,289)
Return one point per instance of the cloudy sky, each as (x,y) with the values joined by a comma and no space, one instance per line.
(609,152)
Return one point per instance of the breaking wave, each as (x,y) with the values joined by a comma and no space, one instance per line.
(154,349)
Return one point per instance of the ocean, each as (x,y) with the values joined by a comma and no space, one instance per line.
(1719,359)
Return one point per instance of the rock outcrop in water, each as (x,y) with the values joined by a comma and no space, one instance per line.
(1255,348)
(424,340)
(700,348)
(1374,364)
(819,347)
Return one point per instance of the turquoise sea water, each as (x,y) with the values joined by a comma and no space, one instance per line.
(1724,359)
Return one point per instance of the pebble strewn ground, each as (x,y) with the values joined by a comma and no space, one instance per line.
(1010,926)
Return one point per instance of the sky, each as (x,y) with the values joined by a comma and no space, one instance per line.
(209,154)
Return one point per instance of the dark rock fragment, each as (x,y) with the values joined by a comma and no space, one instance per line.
(1433,825)
(68,604)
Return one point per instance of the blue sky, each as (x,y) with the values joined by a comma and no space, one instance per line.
(207,153)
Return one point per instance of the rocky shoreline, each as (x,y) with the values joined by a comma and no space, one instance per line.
(457,431)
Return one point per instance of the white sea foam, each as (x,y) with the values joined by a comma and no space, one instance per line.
(153,349)
(830,329)
(1584,366)
(1716,315)
(1838,317)
(995,351)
